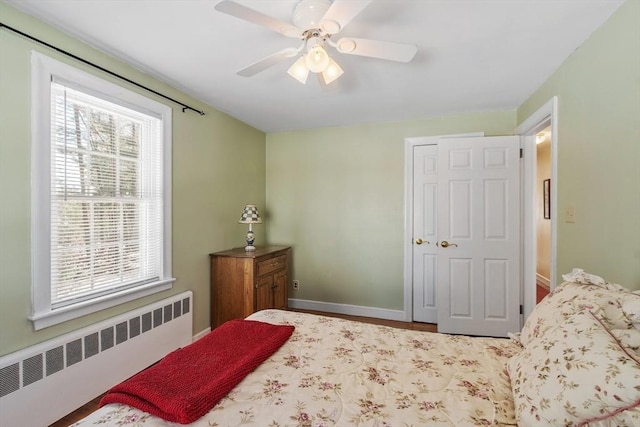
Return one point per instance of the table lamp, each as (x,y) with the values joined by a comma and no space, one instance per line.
(250,216)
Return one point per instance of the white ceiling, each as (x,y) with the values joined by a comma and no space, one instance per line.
(473,55)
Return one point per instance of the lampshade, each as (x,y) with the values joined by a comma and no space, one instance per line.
(332,72)
(250,215)
(299,70)
(317,59)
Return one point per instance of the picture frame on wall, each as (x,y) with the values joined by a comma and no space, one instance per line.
(546,198)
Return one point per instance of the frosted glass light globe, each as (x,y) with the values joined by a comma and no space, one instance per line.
(317,59)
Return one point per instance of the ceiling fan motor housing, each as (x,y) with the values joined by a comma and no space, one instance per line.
(308,13)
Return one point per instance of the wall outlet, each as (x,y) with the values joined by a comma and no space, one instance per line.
(296,284)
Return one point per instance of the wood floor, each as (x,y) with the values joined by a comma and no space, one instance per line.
(79,413)
(92,406)
(541,292)
(426,327)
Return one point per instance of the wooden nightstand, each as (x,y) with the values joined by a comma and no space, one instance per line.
(245,282)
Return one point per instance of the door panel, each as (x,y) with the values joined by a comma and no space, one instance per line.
(461,287)
(496,202)
(496,288)
(425,188)
(478,276)
(459,210)
(429,274)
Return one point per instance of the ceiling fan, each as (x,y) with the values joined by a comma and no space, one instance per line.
(315,22)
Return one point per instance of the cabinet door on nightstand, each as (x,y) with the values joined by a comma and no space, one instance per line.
(264,293)
(280,291)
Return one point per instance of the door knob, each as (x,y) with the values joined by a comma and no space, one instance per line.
(446,244)
(420,241)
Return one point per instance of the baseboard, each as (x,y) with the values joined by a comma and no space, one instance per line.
(200,334)
(543,281)
(352,310)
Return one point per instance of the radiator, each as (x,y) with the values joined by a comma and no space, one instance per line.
(44,382)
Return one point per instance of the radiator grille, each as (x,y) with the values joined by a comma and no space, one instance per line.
(55,360)
(134,327)
(74,352)
(32,369)
(121,333)
(146,322)
(9,379)
(91,345)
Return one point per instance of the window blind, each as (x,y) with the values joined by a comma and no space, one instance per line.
(106,196)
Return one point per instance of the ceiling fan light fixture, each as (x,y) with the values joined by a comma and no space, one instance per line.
(299,70)
(317,59)
(332,72)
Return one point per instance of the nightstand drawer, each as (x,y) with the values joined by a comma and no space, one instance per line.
(271,264)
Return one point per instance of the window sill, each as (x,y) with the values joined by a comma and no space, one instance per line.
(53,317)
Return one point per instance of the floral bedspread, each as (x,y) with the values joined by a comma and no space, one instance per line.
(334,372)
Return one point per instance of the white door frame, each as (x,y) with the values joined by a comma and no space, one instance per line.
(409,143)
(547,115)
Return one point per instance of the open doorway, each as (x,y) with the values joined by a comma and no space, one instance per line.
(543,213)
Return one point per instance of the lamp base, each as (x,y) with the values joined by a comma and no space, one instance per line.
(250,240)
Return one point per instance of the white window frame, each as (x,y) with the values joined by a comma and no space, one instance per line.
(43,70)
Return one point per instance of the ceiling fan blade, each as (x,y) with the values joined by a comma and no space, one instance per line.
(268,61)
(251,15)
(391,51)
(340,13)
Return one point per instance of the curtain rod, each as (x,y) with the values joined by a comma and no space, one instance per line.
(84,61)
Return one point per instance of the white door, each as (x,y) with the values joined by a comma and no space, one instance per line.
(478,247)
(425,186)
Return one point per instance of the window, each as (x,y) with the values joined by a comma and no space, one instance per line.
(101,194)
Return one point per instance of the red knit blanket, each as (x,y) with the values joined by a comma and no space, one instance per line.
(188,382)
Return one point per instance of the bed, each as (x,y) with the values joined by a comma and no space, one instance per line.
(576,362)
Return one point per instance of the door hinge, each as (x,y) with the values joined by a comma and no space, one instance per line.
(521,309)
(521,153)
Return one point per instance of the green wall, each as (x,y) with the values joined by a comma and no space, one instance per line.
(598,89)
(218,167)
(337,195)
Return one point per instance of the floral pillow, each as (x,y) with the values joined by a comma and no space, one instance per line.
(578,275)
(629,338)
(582,292)
(577,374)
(631,308)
